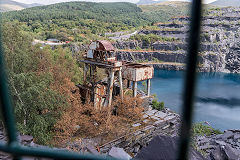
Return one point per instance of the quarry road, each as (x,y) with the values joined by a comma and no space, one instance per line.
(121,35)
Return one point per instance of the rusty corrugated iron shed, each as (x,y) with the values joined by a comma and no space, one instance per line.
(137,72)
(105,45)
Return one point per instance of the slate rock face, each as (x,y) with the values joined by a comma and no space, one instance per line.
(219,49)
(217,154)
(222,146)
(223,153)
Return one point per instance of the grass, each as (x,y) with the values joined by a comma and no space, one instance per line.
(201,129)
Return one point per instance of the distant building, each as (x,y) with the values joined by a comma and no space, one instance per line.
(53,40)
(50,42)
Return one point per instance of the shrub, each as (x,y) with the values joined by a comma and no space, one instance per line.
(201,129)
(158,105)
(151,38)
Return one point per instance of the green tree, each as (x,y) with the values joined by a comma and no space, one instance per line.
(34,78)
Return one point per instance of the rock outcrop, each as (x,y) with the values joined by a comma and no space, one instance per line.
(164,148)
(219,50)
(161,56)
(222,146)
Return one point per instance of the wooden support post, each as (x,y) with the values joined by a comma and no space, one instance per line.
(148,87)
(105,104)
(110,88)
(120,82)
(95,97)
(90,74)
(134,89)
(110,91)
(108,99)
(85,73)
(94,86)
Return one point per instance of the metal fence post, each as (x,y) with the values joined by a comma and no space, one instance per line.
(190,79)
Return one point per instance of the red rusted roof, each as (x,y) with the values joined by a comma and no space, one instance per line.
(105,46)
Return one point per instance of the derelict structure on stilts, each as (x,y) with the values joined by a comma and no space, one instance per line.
(101,54)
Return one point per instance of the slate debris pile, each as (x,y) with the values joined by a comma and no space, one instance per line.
(221,147)
(164,148)
(154,123)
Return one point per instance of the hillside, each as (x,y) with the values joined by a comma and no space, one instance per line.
(81,21)
(144,2)
(9,5)
(166,10)
(226,3)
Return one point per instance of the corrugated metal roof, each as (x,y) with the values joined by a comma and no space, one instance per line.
(105,45)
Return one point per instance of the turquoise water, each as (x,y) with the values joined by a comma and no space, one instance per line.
(217,99)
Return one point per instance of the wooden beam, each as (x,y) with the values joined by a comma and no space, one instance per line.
(134,89)
(110,91)
(148,87)
(97,63)
(110,88)
(120,83)
(86,67)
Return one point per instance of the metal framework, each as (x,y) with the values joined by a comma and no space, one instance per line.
(91,66)
(101,54)
(17,151)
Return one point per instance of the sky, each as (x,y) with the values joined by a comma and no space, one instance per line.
(58,1)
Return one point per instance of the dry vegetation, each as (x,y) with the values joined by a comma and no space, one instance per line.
(83,121)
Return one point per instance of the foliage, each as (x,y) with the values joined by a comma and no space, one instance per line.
(36,80)
(128,92)
(158,105)
(130,108)
(78,21)
(151,38)
(86,121)
(85,21)
(162,13)
(201,129)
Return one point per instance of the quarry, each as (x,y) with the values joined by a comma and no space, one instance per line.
(82,81)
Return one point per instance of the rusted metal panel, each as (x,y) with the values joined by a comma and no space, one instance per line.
(105,46)
(101,51)
(112,59)
(101,46)
(144,73)
(137,72)
(100,95)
